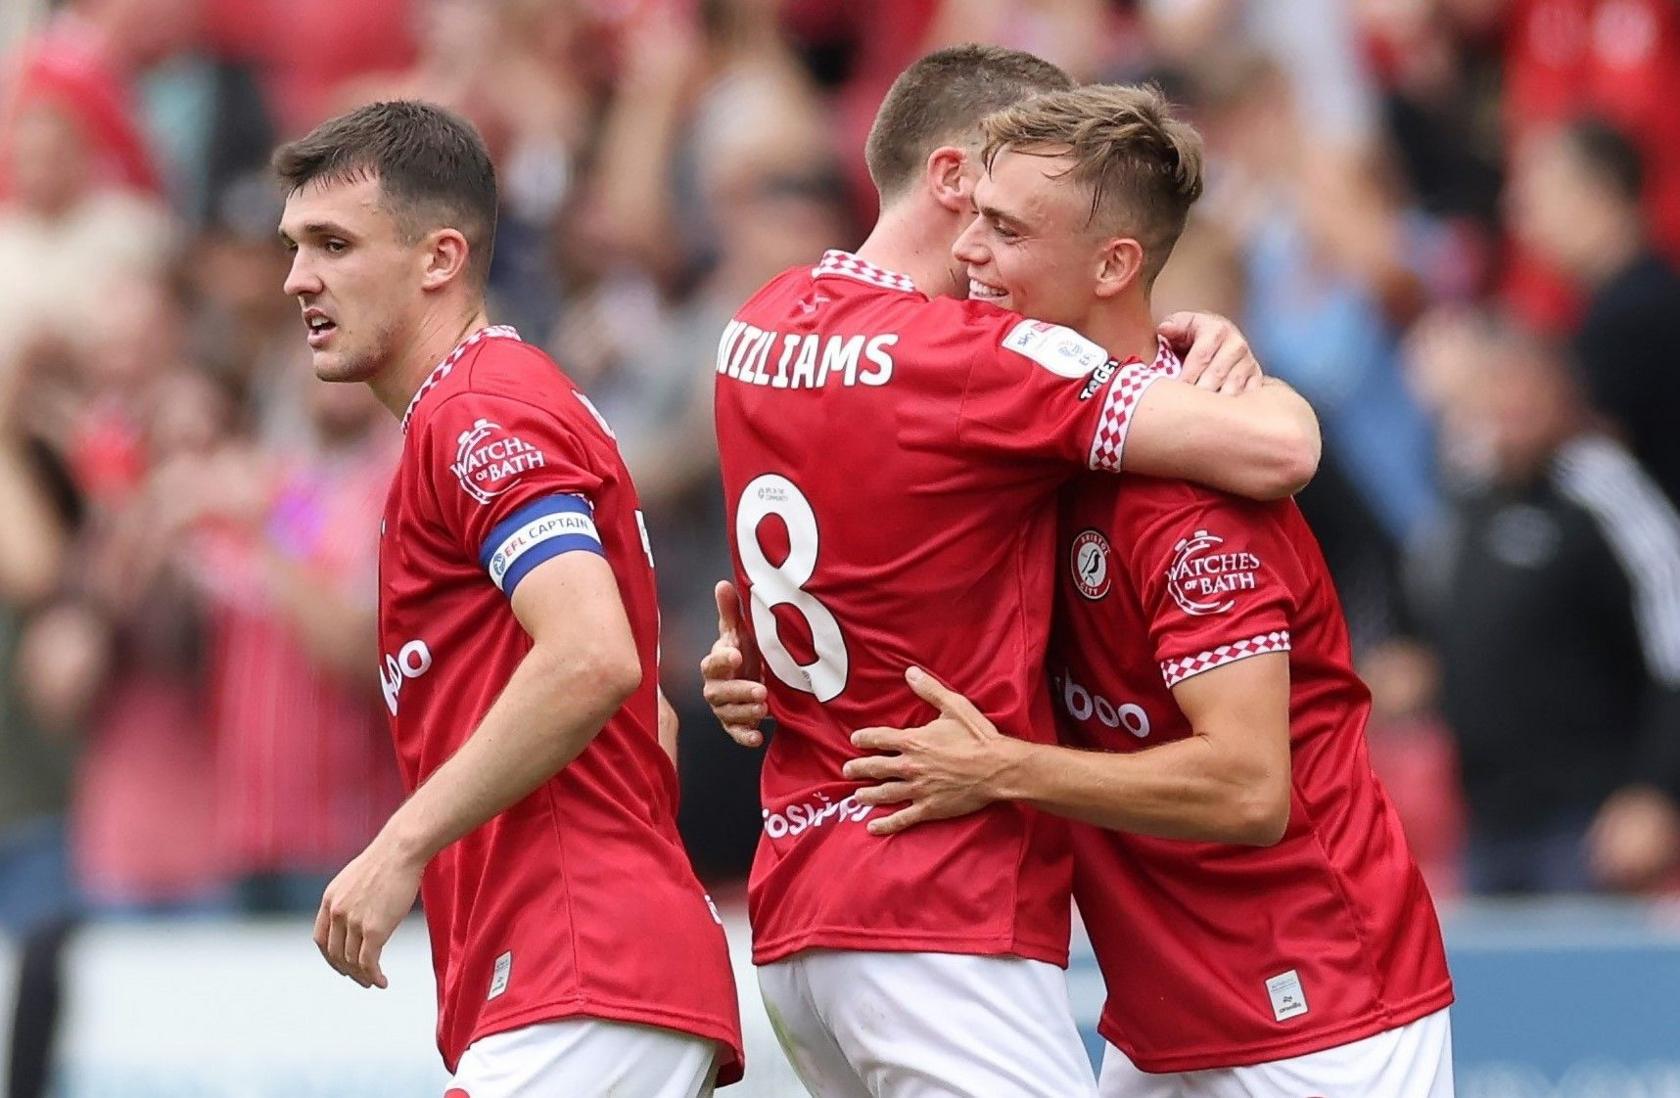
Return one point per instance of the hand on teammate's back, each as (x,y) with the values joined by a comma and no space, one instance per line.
(732,672)
(947,767)
(1216,355)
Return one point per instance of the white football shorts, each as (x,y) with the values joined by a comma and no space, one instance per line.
(1409,1061)
(926,1025)
(586,1058)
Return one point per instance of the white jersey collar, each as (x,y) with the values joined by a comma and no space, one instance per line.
(841,264)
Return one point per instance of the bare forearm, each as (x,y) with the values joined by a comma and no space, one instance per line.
(552,707)
(1262,445)
(1179,790)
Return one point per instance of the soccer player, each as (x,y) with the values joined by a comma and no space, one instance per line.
(890,459)
(1259,920)
(575,951)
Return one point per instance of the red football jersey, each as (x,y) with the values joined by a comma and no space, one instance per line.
(579,900)
(890,466)
(1221,955)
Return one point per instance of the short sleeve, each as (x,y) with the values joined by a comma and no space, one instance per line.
(1211,573)
(513,482)
(1044,391)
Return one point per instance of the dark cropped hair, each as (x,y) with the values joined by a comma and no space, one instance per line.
(940,100)
(432,166)
(1610,154)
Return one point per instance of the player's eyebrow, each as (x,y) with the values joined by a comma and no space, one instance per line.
(318,229)
(992,213)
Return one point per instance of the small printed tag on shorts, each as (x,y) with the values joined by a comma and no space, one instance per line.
(1288,999)
(504,966)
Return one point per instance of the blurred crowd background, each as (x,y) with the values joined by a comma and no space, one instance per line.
(1450,223)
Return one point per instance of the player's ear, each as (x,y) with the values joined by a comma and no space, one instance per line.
(949,178)
(446,258)
(1119,264)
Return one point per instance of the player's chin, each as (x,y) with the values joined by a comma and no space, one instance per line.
(331,366)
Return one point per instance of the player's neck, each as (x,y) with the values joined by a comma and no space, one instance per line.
(1125,328)
(433,339)
(913,243)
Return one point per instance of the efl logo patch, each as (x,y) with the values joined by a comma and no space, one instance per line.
(1062,351)
(1201,579)
(488,458)
(1090,561)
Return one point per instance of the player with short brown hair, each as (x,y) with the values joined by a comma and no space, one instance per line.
(575,951)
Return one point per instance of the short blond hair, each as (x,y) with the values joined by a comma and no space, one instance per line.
(1142,166)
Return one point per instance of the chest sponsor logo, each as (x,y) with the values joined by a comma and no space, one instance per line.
(1090,559)
(488,458)
(1203,577)
(796,819)
(1082,705)
(1062,351)
(411,661)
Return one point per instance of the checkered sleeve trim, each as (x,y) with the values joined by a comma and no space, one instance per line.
(1176,671)
(1124,392)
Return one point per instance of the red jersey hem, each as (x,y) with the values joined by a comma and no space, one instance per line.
(886,941)
(1368,1025)
(730,1068)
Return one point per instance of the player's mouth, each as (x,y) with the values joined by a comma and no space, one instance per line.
(983,291)
(321,327)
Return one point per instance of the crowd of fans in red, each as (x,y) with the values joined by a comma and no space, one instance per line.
(1450,223)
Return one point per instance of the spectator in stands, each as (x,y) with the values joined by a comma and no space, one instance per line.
(1326,253)
(88,57)
(34,761)
(65,237)
(1553,597)
(285,560)
(243,332)
(132,630)
(1577,203)
(1620,60)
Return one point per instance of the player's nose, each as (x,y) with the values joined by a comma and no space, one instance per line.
(301,278)
(967,247)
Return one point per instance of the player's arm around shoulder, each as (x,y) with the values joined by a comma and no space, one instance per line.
(1255,437)
(1262,444)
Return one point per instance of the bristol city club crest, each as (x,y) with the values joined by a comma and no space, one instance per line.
(1202,578)
(1090,561)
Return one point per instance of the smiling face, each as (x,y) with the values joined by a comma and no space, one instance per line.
(356,279)
(1031,248)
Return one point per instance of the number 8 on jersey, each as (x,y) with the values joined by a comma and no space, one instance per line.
(772,585)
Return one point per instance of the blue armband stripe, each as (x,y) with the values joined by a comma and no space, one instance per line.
(540,530)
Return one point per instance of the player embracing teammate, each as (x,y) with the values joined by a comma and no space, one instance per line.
(1259,920)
